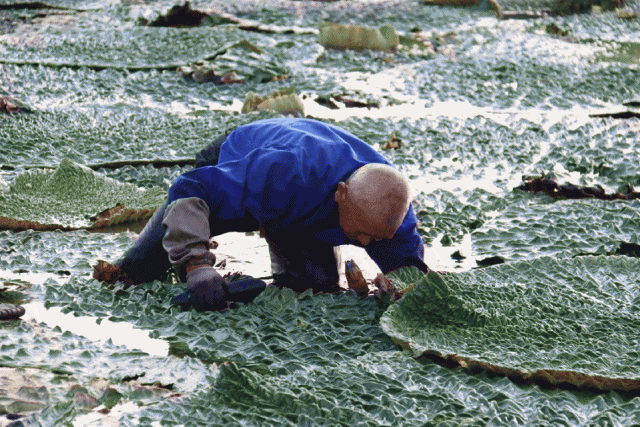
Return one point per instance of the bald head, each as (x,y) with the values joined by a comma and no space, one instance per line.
(373,202)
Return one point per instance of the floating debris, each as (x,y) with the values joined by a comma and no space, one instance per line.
(111,274)
(11,105)
(626,14)
(349,102)
(284,102)
(529,14)
(356,37)
(179,16)
(628,114)
(393,143)
(202,73)
(635,103)
(11,312)
(548,185)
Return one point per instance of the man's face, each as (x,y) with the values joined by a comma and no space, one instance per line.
(360,225)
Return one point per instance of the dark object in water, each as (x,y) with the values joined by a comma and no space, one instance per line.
(617,115)
(11,312)
(548,185)
(200,73)
(12,106)
(179,16)
(568,7)
(488,262)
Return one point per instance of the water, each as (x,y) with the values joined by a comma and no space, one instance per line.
(88,327)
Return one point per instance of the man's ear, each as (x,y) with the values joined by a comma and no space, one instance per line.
(341,193)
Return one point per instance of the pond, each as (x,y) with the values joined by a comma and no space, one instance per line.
(476,103)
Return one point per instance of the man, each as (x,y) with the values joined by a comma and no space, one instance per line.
(307,185)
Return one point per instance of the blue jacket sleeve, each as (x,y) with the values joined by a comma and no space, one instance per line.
(404,249)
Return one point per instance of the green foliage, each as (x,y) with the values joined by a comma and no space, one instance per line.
(573,315)
(97,45)
(383,388)
(525,226)
(65,363)
(405,278)
(71,196)
(279,332)
(101,135)
(504,99)
(60,253)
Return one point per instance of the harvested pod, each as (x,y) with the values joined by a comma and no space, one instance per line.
(285,102)
(356,37)
(355,278)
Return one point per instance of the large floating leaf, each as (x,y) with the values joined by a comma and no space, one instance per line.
(566,324)
(98,46)
(43,367)
(102,135)
(524,226)
(74,196)
(62,253)
(383,388)
(280,331)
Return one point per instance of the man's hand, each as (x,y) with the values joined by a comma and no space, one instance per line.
(206,290)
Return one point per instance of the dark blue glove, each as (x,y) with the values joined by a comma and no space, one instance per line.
(245,289)
(206,291)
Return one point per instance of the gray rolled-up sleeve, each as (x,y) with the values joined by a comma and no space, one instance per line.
(186,239)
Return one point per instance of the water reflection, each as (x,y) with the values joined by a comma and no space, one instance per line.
(120,333)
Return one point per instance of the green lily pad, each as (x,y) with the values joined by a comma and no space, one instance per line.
(523,226)
(280,331)
(74,358)
(60,253)
(121,134)
(384,388)
(570,323)
(74,196)
(126,47)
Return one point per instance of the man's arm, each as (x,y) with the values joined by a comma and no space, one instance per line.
(187,242)
(186,239)
(405,249)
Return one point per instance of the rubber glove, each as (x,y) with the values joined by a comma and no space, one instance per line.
(206,291)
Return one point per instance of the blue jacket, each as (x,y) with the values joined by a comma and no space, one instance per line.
(282,174)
